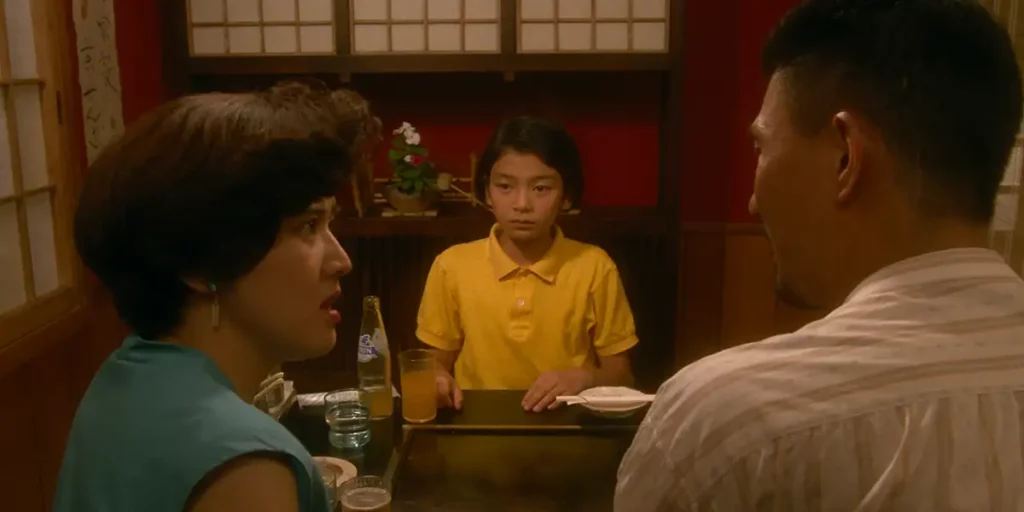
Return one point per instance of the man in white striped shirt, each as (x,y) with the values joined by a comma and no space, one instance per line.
(882,140)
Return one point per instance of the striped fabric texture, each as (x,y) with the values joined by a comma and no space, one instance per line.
(908,397)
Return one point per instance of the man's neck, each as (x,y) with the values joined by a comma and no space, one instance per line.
(869,258)
(236,355)
(526,252)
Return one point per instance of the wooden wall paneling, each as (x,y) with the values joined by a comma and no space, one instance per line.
(699,309)
(53,407)
(20,471)
(748,290)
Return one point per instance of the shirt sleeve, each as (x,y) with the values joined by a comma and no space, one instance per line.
(613,330)
(646,479)
(438,323)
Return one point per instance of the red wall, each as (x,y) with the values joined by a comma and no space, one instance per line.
(613,117)
(616,125)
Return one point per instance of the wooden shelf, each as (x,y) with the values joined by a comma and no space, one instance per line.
(463,223)
(366,64)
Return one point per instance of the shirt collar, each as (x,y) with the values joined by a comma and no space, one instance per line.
(546,268)
(974,262)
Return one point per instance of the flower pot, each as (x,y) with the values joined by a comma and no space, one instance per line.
(411,203)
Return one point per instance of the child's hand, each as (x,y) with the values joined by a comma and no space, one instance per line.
(448,392)
(551,384)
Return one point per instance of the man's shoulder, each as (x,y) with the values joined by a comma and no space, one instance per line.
(740,396)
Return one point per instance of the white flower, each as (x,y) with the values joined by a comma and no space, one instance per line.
(408,158)
(412,139)
(404,129)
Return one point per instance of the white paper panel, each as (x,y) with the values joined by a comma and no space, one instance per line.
(1012,174)
(279,10)
(443,9)
(537,9)
(244,40)
(611,9)
(30,136)
(316,39)
(39,212)
(575,9)
(21,39)
(316,10)
(12,282)
(6,171)
(408,38)
(612,36)
(209,41)
(243,11)
(1006,212)
(206,11)
(369,10)
(480,9)
(370,38)
(574,36)
(649,9)
(280,39)
(649,36)
(444,37)
(408,10)
(537,37)
(482,37)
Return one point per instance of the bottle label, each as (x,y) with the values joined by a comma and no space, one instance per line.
(367,352)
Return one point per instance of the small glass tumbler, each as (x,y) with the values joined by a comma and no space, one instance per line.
(347,413)
(365,494)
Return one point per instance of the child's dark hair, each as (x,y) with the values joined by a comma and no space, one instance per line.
(542,138)
(199,187)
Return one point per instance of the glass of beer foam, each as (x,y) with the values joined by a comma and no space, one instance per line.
(365,494)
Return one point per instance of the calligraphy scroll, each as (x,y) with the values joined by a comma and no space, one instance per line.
(98,73)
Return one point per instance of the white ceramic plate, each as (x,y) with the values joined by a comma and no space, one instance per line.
(613,410)
(346,470)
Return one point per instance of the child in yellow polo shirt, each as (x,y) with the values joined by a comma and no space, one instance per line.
(527,308)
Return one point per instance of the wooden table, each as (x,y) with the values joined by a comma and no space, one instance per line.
(492,454)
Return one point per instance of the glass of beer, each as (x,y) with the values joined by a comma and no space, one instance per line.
(365,494)
(419,391)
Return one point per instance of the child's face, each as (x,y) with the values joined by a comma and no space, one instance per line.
(525,194)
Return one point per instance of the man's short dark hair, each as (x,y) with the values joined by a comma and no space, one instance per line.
(199,188)
(937,77)
(546,140)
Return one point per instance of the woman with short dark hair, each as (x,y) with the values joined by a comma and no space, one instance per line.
(208,223)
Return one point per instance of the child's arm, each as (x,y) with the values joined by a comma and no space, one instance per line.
(613,334)
(439,325)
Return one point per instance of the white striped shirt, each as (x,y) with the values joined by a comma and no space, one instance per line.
(908,397)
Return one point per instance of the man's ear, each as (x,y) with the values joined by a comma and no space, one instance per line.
(850,142)
(566,205)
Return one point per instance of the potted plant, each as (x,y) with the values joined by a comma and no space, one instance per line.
(413,187)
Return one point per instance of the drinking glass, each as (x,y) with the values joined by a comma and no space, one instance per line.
(419,391)
(365,494)
(347,412)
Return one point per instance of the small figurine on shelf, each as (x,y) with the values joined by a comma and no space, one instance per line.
(413,189)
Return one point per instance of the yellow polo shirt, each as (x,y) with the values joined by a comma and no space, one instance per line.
(510,324)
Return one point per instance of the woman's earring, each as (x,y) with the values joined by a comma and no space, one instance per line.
(215,307)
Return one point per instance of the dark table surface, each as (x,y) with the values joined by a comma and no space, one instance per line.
(490,456)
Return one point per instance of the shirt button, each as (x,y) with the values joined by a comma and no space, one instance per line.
(520,302)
